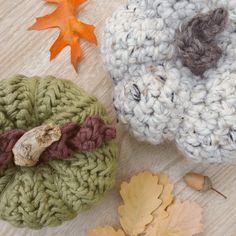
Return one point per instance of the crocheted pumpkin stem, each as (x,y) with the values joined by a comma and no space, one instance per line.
(195,40)
(7,142)
(85,137)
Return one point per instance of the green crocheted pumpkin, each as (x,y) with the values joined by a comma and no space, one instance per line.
(52,192)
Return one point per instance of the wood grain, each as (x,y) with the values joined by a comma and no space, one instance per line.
(27,52)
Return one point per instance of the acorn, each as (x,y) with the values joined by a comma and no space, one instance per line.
(200,183)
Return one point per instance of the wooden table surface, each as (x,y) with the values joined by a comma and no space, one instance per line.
(27,52)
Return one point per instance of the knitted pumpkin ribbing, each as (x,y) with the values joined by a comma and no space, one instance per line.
(50,193)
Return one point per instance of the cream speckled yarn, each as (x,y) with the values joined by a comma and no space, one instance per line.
(53,192)
(158,97)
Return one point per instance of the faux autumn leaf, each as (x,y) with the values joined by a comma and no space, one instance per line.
(166,195)
(182,219)
(140,198)
(106,231)
(71,30)
(147,210)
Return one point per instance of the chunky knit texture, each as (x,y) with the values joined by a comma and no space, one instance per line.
(87,136)
(50,193)
(157,92)
(195,40)
(7,142)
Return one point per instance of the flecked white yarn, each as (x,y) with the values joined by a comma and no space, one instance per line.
(159,98)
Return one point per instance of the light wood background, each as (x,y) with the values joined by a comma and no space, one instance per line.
(27,53)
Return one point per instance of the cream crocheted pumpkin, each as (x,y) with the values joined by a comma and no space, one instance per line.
(158,94)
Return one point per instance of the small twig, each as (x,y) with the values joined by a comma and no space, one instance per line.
(219,192)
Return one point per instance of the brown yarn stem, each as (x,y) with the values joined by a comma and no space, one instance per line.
(195,40)
(85,137)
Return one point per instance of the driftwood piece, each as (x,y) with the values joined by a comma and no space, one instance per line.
(31,145)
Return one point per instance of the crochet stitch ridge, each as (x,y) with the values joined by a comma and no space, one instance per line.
(156,94)
(53,192)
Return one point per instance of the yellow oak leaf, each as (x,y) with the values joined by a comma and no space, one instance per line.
(106,231)
(182,219)
(141,198)
(166,195)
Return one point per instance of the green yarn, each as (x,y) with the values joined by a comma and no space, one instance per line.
(51,193)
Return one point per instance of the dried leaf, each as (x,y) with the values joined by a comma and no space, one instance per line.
(166,195)
(182,219)
(140,198)
(106,231)
(64,18)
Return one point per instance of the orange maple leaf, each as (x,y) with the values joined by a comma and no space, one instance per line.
(71,29)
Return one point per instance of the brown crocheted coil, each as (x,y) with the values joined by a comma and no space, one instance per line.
(74,137)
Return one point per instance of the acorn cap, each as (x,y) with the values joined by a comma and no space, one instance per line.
(207,184)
